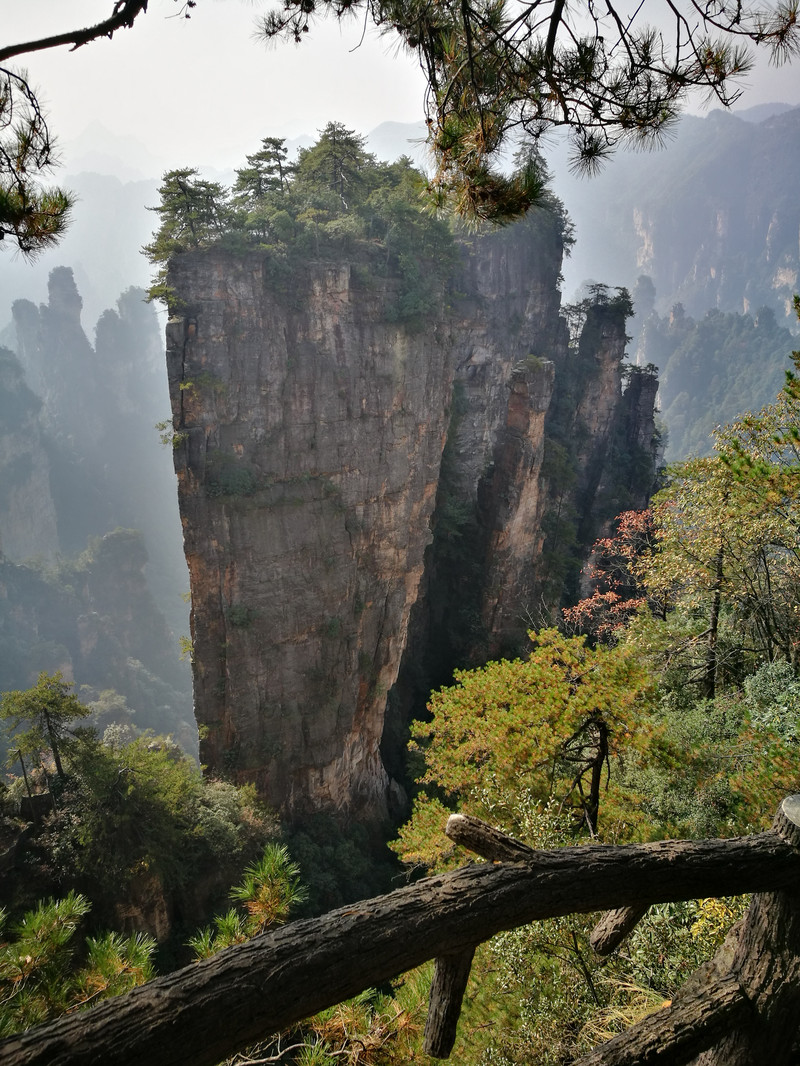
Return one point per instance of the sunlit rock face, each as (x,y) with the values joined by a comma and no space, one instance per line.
(310,434)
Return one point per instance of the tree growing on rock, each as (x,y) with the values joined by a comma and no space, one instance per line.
(337,162)
(47,712)
(495,70)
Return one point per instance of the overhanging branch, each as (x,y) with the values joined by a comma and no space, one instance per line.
(123,16)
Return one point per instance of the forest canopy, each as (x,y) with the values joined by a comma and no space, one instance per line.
(335,198)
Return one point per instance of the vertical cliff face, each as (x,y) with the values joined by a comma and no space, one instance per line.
(317,446)
(27,513)
(733,185)
(98,407)
(307,478)
(79,458)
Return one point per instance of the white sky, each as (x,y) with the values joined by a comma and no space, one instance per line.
(203,91)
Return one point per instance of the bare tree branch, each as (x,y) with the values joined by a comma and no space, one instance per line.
(123,16)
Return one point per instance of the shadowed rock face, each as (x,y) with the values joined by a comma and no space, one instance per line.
(310,432)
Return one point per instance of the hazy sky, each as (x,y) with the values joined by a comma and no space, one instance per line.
(204,91)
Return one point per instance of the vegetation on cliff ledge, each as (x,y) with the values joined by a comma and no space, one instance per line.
(336,201)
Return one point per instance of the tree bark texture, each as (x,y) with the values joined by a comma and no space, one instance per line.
(614,926)
(766,964)
(675,1034)
(447,992)
(740,1009)
(199,1015)
(492,844)
(484,840)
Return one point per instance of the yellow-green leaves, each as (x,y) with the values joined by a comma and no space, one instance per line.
(532,728)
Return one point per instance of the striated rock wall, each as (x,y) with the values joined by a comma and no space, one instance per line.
(317,446)
(307,479)
(730,181)
(28,525)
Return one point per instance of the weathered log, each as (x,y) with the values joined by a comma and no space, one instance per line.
(444,1008)
(766,964)
(486,841)
(614,926)
(492,844)
(740,1009)
(452,971)
(202,1013)
(675,1034)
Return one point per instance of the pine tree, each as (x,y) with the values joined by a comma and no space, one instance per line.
(268,171)
(338,162)
(32,215)
(48,709)
(192,212)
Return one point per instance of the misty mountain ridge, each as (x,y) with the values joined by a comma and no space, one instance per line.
(713,219)
(644,213)
(92,572)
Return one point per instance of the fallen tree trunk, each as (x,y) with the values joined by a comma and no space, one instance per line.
(742,1007)
(766,964)
(202,1013)
(675,1034)
(495,846)
(450,977)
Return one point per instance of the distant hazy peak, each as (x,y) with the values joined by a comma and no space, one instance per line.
(761,112)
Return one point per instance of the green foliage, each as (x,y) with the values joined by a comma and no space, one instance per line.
(136,806)
(692,789)
(31,214)
(338,163)
(712,369)
(228,476)
(726,537)
(338,863)
(146,806)
(268,171)
(538,993)
(168,435)
(268,891)
(241,616)
(48,709)
(496,72)
(192,212)
(270,888)
(42,975)
(337,200)
(539,727)
(772,696)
